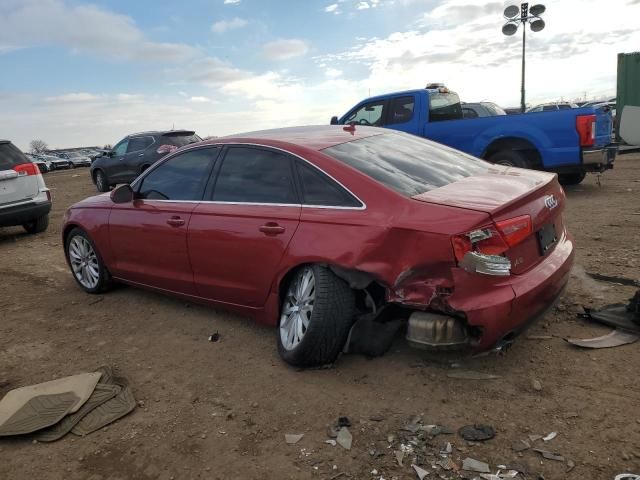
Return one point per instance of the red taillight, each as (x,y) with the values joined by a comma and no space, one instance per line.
(515,229)
(586,127)
(493,239)
(27,169)
(162,149)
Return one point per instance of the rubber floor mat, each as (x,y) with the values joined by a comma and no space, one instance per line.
(100,395)
(39,412)
(616,316)
(81,385)
(108,412)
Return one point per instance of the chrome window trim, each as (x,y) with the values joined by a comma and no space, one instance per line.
(363,205)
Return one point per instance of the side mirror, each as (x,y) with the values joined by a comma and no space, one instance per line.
(122,194)
(334,120)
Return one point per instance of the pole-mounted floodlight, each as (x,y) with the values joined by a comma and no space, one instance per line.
(522,15)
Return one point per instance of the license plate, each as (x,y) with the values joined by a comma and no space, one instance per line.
(547,238)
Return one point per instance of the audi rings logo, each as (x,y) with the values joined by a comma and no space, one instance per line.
(550,202)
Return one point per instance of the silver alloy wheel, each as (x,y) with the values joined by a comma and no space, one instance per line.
(100,180)
(297,309)
(84,262)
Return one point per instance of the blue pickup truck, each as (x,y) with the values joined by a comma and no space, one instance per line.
(569,142)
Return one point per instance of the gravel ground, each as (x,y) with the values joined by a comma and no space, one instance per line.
(220,410)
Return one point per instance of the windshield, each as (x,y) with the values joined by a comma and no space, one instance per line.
(444,106)
(407,164)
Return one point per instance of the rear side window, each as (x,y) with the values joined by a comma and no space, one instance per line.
(181,178)
(469,113)
(10,156)
(137,144)
(401,110)
(180,139)
(407,164)
(255,175)
(319,189)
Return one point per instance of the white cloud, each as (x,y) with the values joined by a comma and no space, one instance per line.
(333,73)
(200,100)
(86,29)
(333,8)
(67,98)
(231,2)
(362,6)
(285,49)
(226,25)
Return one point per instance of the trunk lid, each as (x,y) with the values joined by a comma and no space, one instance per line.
(604,126)
(505,193)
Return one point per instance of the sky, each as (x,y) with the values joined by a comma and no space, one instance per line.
(79,73)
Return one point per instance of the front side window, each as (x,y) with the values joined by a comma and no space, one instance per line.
(405,163)
(369,114)
(183,177)
(319,189)
(121,148)
(401,110)
(444,106)
(255,175)
(137,144)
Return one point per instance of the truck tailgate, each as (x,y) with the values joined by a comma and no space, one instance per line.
(604,125)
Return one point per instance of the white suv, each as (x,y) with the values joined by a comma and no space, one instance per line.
(24,198)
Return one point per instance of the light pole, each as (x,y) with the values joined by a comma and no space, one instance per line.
(522,15)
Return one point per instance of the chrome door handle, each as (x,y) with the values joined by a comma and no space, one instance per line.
(175,221)
(272,228)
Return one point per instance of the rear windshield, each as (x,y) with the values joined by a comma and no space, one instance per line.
(407,164)
(181,139)
(444,106)
(10,156)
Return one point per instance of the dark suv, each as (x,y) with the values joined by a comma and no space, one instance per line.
(134,154)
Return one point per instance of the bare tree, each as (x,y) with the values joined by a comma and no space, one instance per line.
(38,146)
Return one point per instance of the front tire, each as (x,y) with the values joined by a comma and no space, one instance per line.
(315,318)
(571,178)
(102,183)
(87,267)
(510,158)
(38,225)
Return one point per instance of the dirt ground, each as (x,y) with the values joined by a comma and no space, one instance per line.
(220,410)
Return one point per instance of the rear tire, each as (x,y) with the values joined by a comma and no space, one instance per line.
(102,183)
(324,320)
(38,225)
(571,178)
(510,158)
(87,267)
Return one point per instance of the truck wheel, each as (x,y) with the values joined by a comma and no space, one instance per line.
(315,318)
(510,158)
(571,178)
(102,184)
(38,225)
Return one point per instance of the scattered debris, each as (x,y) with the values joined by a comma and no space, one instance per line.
(533,438)
(332,431)
(421,473)
(214,337)
(98,300)
(399,454)
(448,448)
(477,433)
(539,337)
(536,384)
(550,437)
(472,375)
(472,465)
(617,315)
(377,418)
(548,455)
(344,438)
(413,425)
(520,446)
(570,465)
(627,476)
(614,279)
(293,438)
(615,338)
(447,464)
(343,422)
(331,442)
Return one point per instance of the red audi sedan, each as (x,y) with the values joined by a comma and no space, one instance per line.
(310,228)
